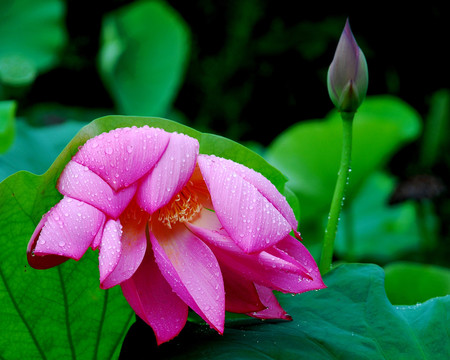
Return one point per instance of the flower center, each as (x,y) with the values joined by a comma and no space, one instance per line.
(182,208)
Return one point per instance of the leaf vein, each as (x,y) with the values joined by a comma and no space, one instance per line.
(21,315)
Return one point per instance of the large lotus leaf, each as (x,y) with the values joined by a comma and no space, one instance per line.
(143,55)
(309,152)
(32,35)
(352,319)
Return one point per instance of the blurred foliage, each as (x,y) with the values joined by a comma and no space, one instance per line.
(371,230)
(255,72)
(7,124)
(411,283)
(382,125)
(143,55)
(32,36)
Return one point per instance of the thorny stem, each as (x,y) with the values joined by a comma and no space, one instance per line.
(339,193)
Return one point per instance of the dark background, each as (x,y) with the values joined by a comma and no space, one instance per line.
(253,61)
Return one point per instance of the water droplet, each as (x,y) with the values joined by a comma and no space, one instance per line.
(130,149)
(109,150)
(61,243)
(94,144)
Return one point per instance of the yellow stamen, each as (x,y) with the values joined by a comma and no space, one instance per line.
(182,208)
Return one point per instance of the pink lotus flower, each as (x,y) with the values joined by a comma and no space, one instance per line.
(176,230)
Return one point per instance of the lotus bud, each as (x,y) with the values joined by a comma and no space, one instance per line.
(347,75)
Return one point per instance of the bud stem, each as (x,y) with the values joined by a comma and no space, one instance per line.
(339,193)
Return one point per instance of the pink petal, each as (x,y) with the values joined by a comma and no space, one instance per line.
(296,250)
(192,270)
(264,186)
(170,174)
(288,268)
(153,300)
(241,295)
(123,248)
(248,217)
(110,249)
(42,261)
(273,308)
(98,238)
(122,156)
(69,229)
(78,182)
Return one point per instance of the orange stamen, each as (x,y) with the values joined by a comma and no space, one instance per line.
(182,208)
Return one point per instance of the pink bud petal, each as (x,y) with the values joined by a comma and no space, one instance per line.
(69,229)
(122,156)
(348,75)
(153,300)
(191,269)
(80,183)
(247,215)
(170,174)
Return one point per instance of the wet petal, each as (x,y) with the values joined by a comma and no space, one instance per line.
(249,218)
(122,156)
(296,250)
(264,186)
(273,308)
(170,174)
(192,270)
(124,247)
(153,300)
(69,229)
(110,249)
(288,267)
(241,295)
(42,261)
(78,182)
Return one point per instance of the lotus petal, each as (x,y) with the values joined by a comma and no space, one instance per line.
(192,270)
(68,230)
(124,155)
(170,174)
(153,300)
(79,182)
(248,217)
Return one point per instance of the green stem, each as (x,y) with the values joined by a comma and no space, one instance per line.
(339,193)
